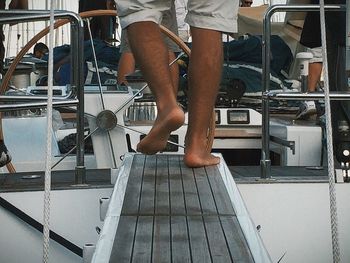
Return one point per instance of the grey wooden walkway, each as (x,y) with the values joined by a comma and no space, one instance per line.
(172,213)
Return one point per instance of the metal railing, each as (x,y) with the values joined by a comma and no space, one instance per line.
(77,66)
(265,162)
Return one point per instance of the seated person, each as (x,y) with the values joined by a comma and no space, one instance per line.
(40,49)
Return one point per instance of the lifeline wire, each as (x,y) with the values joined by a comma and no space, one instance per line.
(46,231)
(330,159)
(100,88)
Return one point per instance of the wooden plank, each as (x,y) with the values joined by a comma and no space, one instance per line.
(216,239)
(124,240)
(133,188)
(236,241)
(180,240)
(143,240)
(206,198)
(148,186)
(200,229)
(221,197)
(162,186)
(161,239)
(190,191)
(198,240)
(177,199)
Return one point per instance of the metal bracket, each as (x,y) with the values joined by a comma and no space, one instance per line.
(289,144)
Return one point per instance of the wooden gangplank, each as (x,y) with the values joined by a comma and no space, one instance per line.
(172,213)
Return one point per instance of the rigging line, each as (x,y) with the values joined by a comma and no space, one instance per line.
(331,175)
(33,23)
(131,129)
(46,220)
(146,85)
(73,148)
(96,65)
(63,7)
(38,226)
(100,88)
(27,34)
(119,109)
(95,130)
(18,36)
(57,7)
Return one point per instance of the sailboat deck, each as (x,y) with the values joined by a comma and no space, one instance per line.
(65,179)
(34,181)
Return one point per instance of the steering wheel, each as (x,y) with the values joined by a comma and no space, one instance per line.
(88,14)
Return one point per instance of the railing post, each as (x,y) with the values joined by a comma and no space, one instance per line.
(265,162)
(77,56)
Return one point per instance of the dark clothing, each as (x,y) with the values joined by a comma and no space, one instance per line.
(101,26)
(335,39)
(335,26)
(87,5)
(2,38)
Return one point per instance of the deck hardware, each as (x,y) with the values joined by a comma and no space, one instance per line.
(304,58)
(289,144)
(106,120)
(104,202)
(88,252)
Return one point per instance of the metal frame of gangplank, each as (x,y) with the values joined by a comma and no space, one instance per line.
(265,162)
(162,211)
(77,66)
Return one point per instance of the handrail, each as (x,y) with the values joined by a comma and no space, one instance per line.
(34,105)
(265,162)
(77,25)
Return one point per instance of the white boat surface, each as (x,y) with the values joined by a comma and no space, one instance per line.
(288,215)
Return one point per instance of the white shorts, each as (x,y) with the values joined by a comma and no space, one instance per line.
(317,54)
(168,20)
(220,15)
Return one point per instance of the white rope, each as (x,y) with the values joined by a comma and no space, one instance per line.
(331,174)
(46,232)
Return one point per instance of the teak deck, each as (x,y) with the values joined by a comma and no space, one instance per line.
(172,213)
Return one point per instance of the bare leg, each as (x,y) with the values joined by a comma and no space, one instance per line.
(174,71)
(315,70)
(126,66)
(152,55)
(204,79)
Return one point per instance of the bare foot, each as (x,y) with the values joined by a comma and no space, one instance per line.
(167,121)
(197,155)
